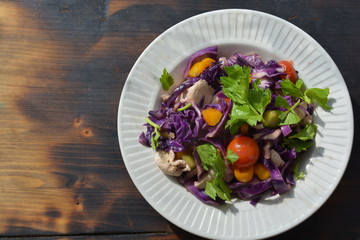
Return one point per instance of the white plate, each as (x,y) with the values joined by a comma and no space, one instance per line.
(244,31)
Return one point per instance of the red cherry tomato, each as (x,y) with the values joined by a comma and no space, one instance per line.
(247,150)
(289,70)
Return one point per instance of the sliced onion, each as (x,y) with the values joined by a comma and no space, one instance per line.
(276,158)
(286,130)
(272,136)
(267,153)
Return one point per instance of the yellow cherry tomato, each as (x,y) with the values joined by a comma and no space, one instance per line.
(244,174)
(197,68)
(211,116)
(261,171)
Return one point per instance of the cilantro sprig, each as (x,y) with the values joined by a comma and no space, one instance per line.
(303,139)
(166,80)
(311,95)
(318,95)
(289,116)
(231,156)
(211,160)
(297,173)
(249,103)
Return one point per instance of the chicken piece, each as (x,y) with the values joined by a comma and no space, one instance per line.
(167,163)
(165,97)
(201,89)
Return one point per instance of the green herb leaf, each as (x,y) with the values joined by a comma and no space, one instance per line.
(208,155)
(281,102)
(233,125)
(243,113)
(302,140)
(236,84)
(289,117)
(210,190)
(155,135)
(249,104)
(219,166)
(258,97)
(231,156)
(166,80)
(225,189)
(307,133)
(218,187)
(290,89)
(298,144)
(300,175)
(311,95)
(319,96)
(211,159)
(299,83)
(184,107)
(297,173)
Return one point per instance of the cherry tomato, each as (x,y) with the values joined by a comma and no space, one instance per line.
(289,70)
(244,174)
(247,150)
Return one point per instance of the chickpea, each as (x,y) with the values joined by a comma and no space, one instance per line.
(271,119)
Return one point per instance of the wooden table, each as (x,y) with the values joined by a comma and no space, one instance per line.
(62,68)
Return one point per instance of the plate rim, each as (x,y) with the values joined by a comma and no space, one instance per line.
(237,11)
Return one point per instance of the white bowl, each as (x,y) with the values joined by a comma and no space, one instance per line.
(245,31)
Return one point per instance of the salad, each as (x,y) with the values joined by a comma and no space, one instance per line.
(235,127)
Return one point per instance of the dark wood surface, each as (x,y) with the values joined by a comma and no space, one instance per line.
(63,64)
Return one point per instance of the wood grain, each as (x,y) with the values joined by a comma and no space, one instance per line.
(62,68)
(61,169)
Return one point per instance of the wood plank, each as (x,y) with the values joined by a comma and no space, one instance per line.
(149,236)
(60,168)
(62,68)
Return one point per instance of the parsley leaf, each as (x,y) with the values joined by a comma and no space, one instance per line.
(207,154)
(258,97)
(299,83)
(290,89)
(297,173)
(303,139)
(289,117)
(249,103)
(307,133)
(318,95)
(219,166)
(211,159)
(298,144)
(243,113)
(218,187)
(166,80)
(311,95)
(236,84)
(281,102)
(210,190)
(231,156)
(233,125)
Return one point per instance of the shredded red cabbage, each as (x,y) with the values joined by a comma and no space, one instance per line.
(210,52)
(183,130)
